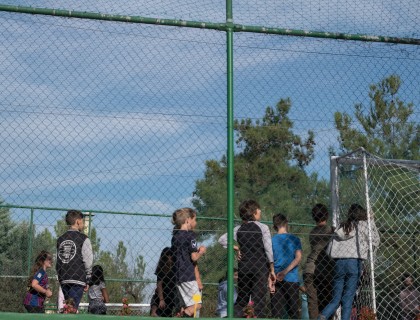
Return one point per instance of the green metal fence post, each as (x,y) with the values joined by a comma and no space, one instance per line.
(230,154)
(30,241)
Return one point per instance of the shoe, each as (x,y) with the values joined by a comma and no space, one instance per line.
(322,317)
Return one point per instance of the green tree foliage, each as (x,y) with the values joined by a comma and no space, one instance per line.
(13,261)
(384,128)
(123,280)
(269,167)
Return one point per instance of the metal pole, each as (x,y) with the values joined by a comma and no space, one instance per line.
(334,191)
(30,241)
(208,25)
(230,155)
(369,216)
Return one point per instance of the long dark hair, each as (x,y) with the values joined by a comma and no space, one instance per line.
(165,261)
(97,275)
(355,214)
(39,263)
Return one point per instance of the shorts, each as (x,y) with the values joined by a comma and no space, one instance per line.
(186,291)
(97,307)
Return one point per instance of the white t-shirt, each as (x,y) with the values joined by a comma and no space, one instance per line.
(95,291)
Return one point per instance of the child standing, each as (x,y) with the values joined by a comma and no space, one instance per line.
(287,250)
(222,294)
(186,253)
(74,258)
(98,295)
(319,266)
(255,266)
(164,299)
(349,248)
(38,284)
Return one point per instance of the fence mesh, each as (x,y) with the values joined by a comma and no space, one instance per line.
(390,189)
(128,121)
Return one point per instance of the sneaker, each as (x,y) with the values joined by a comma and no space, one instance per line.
(322,317)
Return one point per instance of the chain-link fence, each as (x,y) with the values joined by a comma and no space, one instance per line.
(130,110)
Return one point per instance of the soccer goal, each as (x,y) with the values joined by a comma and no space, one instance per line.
(390,192)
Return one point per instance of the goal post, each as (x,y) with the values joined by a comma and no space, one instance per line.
(390,192)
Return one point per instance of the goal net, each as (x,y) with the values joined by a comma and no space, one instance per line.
(390,191)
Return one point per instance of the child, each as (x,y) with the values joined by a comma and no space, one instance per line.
(319,267)
(74,258)
(221,310)
(349,247)
(256,258)
(68,306)
(186,253)
(164,299)
(98,295)
(287,250)
(38,284)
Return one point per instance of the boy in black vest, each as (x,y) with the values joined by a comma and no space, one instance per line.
(74,258)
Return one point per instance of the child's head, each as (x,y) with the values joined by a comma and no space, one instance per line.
(279,221)
(42,261)
(184,216)
(250,210)
(320,213)
(43,258)
(407,280)
(97,275)
(69,302)
(235,276)
(74,218)
(356,213)
(165,261)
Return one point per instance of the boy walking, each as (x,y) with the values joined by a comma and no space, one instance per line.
(186,254)
(255,265)
(74,258)
(287,250)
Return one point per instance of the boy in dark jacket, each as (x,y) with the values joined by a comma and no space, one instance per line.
(74,258)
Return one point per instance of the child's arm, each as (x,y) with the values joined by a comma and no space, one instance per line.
(198,277)
(159,287)
(198,254)
(87,256)
(294,263)
(223,238)
(105,295)
(35,285)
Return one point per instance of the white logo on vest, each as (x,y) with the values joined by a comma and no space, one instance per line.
(67,251)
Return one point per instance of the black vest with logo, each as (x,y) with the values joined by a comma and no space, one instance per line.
(70,266)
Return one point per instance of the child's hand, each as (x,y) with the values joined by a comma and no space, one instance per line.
(280,276)
(48,293)
(238,255)
(272,283)
(162,304)
(202,249)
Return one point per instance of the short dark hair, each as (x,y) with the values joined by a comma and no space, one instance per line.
(279,220)
(405,276)
(247,210)
(72,216)
(320,212)
(97,275)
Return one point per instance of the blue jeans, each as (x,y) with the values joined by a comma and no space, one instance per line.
(346,278)
(73,291)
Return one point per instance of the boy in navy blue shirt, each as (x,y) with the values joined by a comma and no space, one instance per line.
(186,254)
(287,250)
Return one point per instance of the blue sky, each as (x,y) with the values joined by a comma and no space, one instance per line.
(112,116)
